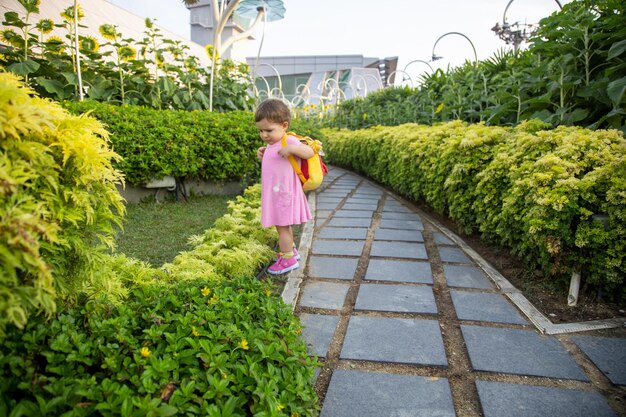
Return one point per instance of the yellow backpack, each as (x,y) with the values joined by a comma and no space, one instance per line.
(310,171)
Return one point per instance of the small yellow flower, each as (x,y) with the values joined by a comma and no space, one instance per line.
(108,31)
(439,108)
(297,331)
(68,13)
(127,53)
(268,292)
(205,291)
(45,26)
(294,414)
(279,407)
(209,51)
(89,43)
(244,344)
(194,331)
(145,352)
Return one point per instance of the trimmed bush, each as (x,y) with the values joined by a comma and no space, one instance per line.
(184,144)
(538,192)
(59,202)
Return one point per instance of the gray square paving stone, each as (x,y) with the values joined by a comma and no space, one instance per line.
(360,206)
(401,224)
(386,339)
(521,352)
(466,277)
(409,250)
(373,394)
(396,298)
(391,215)
(400,271)
(368,214)
(485,307)
(342,233)
(441,239)
(327,295)
(396,208)
(348,222)
(318,332)
(516,400)
(453,254)
(363,199)
(326,206)
(334,268)
(607,353)
(401,235)
(338,247)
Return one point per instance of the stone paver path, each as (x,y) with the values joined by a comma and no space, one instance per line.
(407,323)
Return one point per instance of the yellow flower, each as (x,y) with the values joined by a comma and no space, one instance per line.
(439,108)
(268,292)
(68,13)
(89,43)
(294,414)
(279,406)
(108,31)
(127,53)
(45,26)
(244,344)
(145,352)
(194,331)
(209,51)
(206,291)
(55,45)
(11,37)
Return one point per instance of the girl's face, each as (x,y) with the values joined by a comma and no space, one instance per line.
(271,132)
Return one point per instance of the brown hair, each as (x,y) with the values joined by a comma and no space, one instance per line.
(273,110)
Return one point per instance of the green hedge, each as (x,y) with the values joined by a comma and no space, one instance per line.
(534,191)
(198,144)
(184,144)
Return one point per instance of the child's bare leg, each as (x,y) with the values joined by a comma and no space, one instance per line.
(285,238)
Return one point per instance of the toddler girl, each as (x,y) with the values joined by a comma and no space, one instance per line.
(283,202)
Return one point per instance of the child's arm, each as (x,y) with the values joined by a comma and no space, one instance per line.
(260,152)
(301,151)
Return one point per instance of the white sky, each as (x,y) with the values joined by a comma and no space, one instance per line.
(407,29)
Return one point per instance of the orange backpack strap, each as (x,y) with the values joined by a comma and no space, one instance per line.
(292,161)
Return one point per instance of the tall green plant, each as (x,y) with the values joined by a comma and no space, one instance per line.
(59,202)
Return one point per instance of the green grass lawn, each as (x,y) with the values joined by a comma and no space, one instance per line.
(156,233)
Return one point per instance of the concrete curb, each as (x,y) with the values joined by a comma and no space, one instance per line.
(541,322)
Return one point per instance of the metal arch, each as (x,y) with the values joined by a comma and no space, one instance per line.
(418,60)
(405,76)
(280,81)
(435,57)
(509,4)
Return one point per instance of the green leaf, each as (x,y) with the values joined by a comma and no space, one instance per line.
(616,89)
(55,87)
(25,67)
(617,49)
(13,19)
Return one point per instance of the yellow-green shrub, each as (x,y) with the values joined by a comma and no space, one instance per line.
(58,201)
(535,191)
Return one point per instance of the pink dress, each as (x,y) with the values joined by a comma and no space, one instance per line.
(283,202)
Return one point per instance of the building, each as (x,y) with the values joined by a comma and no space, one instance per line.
(322,78)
